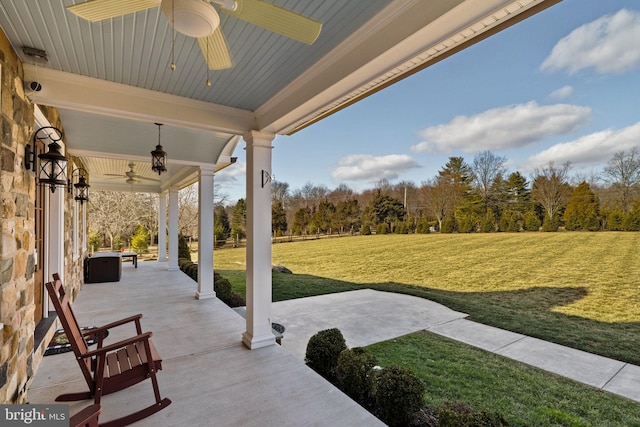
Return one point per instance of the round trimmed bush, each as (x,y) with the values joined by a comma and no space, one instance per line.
(354,374)
(323,350)
(222,286)
(399,395)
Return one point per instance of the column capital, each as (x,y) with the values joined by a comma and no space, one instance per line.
(206,171)
(259,138)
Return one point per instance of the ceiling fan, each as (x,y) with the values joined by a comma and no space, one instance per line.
(199,19)
(131,175)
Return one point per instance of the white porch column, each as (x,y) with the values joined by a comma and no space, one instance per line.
(205,234)
(162,227)
(258,333)
(173,229)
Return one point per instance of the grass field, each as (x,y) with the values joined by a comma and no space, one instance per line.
(576,289)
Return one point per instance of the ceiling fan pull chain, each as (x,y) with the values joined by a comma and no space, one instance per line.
(208,82)
(173,39)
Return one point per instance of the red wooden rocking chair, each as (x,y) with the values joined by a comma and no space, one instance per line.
(110,368)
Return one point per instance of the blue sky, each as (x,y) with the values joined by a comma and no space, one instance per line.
(561,86)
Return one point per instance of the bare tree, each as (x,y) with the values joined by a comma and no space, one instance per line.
(623,173)
(551,188)
(438,198)
(117,214)
(487,169)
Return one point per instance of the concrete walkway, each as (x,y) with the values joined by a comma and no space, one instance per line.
(366,316)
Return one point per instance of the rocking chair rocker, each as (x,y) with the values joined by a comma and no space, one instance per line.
(113,367)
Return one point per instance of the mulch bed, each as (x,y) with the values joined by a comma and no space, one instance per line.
(60,344)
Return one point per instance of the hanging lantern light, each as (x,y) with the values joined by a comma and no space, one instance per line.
(159,156)
(81,187)
(52,168)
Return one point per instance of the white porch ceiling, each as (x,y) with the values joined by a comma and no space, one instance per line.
(111,80)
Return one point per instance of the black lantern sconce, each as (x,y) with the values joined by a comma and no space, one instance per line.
(52,165)
(159,156)
(81,187)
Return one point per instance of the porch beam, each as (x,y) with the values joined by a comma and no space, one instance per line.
(66,90)
(258,319)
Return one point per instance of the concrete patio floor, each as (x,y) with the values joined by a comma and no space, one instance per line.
(211,378)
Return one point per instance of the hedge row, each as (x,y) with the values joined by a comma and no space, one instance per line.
(221,285)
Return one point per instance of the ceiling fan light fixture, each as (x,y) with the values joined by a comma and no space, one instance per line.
(193,18)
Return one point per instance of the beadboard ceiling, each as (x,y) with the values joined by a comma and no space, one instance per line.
(111,80)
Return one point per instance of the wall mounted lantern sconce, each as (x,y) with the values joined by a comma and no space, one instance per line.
(159,156)
(52,165)
(81,187)
(266,178)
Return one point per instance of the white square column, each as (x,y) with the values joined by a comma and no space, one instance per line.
(258,333)
(205,234)
(173,229)
(162,227)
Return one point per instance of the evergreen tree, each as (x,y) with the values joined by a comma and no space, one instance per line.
(519,195)
(140,240)
(301,220)
(221,219)
(347,215)
(278,218)
(458,176)
(384,209)
(239,220)
(582,210)
(632,218)
(323,219)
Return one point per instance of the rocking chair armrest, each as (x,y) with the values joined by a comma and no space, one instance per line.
(135,318)
(118,345)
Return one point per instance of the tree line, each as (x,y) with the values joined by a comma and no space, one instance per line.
(464,197)
(479,196)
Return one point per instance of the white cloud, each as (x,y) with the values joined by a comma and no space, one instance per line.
(590,150)
(563,93)
(228,177)
(608,44)
(367,168)
(500,128)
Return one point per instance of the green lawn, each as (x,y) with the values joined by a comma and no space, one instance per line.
(576,289)
(525,396)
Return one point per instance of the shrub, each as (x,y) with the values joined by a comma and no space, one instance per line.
(531,221)
(382,228)
(323,350)
(549,224)
(354,374)
(366,229)
(183,248)
(140,240)
(222,287)
(398,394)
(192,271)
(448,225)
(460,414)
(236,300)
(95,241)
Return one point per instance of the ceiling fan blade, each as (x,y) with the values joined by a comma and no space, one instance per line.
(114,174)
(97,10)
(277,19)
(214,50)
(138,177)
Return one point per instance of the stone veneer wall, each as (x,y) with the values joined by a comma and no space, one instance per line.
(18,360)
